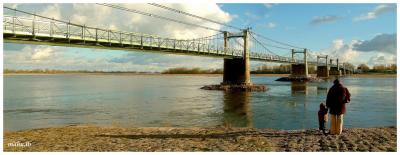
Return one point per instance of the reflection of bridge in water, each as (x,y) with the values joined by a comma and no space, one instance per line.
(237,109)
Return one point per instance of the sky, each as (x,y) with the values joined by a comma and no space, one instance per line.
(354,33)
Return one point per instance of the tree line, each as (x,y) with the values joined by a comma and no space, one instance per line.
(183,70)
(388,68)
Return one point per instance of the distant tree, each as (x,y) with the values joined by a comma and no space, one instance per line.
(379,68)
(363,67)
(393,67)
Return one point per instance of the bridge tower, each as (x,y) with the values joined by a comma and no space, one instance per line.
(344,69)
(237,70)
(299,70)
(323,70)
(335,70)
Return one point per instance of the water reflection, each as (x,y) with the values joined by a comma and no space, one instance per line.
(299,88)
(322,90)
(237,109)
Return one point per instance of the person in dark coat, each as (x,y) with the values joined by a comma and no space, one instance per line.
(336,100)
(322,117)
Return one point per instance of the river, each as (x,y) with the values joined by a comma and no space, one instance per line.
(38,101)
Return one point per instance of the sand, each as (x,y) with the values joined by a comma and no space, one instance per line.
(94,138)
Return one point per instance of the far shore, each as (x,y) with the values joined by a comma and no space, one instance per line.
(368,75)
(95,138)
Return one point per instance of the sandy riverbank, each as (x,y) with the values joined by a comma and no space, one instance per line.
(92,138)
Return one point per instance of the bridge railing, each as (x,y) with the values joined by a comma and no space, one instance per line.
(49,28)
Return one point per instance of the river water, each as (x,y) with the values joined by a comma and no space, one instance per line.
(37,101)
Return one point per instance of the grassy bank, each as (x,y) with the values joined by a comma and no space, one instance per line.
(93,138)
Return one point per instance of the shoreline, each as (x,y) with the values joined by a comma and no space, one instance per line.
(95,138)
(159,74)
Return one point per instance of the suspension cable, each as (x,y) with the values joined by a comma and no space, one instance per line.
(192,15)
(156,16)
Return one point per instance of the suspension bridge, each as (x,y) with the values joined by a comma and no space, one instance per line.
(236,48)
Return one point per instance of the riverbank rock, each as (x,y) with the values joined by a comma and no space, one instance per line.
(94,138)
(235,87)
(300,79)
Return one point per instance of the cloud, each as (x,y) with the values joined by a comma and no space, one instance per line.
(109,18)
(271,25)
(52,57)
(382,58)
(323,19)
(378,10)
(268,5)
(42,53)
(380,43)
(344,52)
(352,52)
(31,57)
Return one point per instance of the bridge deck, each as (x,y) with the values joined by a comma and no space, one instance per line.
(59,33)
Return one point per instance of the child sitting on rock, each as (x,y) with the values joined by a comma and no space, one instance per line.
(322,117)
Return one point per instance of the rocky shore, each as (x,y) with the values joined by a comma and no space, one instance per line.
(248,88)
(299,79)
(93,138)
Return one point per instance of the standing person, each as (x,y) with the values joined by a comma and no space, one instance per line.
(336,100)
(322,117)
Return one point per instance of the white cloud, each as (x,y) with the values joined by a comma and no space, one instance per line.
(52,11)
(350,52)
(252,16)
(30,57)
(42,53)
(382,59)
(271,25)
(109,18)
(51,57)
(344,52)
(323,19)
(268,5)
(378,10)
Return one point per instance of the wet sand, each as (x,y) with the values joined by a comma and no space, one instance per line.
(93,138)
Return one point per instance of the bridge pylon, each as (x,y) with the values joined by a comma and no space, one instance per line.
(323,70)
(335,70)
(299,70)
(237,70)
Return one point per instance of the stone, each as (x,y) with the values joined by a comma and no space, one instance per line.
(300,79)
(256,88)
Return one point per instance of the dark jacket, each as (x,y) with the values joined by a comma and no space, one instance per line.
(323,115)
(337,98)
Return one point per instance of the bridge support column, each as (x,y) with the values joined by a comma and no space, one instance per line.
(323,71)
(300,70)
(335,71)
(237,70)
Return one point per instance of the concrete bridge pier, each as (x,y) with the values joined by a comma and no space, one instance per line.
(237,70)
(334,70)
(323,70)
(299,70)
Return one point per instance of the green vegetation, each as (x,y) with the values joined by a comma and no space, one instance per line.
(388,69)
(182,70)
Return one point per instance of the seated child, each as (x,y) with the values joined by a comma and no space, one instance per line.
(322,116)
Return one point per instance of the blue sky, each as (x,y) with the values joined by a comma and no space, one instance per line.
(293,22)
(356,33)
